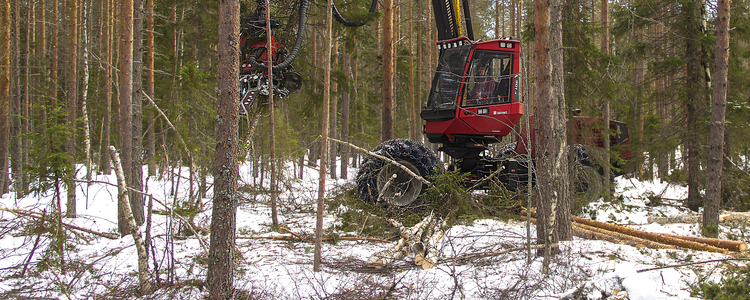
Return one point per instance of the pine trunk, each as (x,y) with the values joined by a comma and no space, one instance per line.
(345,103)
(718,122)
(4,94)
(72,102)
(386,127)
(150,49)
(220,275)
(126,94)
(324,139)
(696,100)
(105,166)
(136,176)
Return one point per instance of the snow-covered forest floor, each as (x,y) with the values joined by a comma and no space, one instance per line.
(96,267)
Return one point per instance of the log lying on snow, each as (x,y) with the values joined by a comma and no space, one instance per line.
(626,235)
(593,233)
(656,237)
(421,239)
(736,246)
(696,218)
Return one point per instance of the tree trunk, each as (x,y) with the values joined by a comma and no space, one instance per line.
(220,277)
(413,121)
(130,226)
(105,166)
(72,102)
(386,126)
(550,121)
(27,88)
(136,177)
(41,57)
(334,114)
(53,51)
(18,178)
(718,122)
(606,108)
(150,49)
(324,139)
(561,182)
(126,97)
(543,96)
(84,93)
(4,94)
(271,122)
(345,103)
(697,85)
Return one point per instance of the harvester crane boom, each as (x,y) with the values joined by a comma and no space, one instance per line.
(448,19)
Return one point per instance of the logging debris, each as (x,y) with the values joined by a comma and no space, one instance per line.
(420,239)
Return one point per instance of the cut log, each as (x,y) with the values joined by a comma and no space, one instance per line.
(736,246)
(593,233)
(697,218)
(653,237)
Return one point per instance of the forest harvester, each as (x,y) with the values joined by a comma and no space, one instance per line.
(475,100)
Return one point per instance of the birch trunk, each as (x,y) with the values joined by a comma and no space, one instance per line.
(130,227)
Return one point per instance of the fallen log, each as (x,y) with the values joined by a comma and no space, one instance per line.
(653,237)
(736,246)
(656,237)
(593,233)
(697,218)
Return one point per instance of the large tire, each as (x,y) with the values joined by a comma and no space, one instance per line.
(374,173)
(587,181)
(507,150)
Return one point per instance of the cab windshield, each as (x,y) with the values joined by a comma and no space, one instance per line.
(488,80)
(447,80)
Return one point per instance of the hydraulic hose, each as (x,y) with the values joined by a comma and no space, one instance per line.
(295,48)
(347,23)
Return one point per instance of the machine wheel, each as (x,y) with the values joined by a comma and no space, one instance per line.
(506,150)
(587,181)
(375,174)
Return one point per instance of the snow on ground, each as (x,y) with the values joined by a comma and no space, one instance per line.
(275,269)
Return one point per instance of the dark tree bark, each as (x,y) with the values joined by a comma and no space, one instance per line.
(345,103)
(324,140)
(136,175)
(105,166)
(53,51)
(72,101)
(386,127)
(126,98)
(561,183)
(697,83)
(220,277)
(552,161)
(4,94)
(333,147)
(718,121)
(271,123)
(41,58)
(606,108)
(16,97)
(150,48)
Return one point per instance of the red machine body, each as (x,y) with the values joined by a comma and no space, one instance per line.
(454,112)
